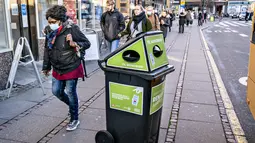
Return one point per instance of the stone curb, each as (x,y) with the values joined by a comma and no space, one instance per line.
(222,110)
(171,132)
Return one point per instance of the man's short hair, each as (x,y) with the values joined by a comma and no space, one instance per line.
(110,2)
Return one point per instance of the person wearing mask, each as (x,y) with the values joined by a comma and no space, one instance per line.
(154,19)
(138,24)
(112,23)
(164,23)
(188,18)
(65,46)
(182,19)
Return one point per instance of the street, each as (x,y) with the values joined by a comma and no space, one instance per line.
(229,43)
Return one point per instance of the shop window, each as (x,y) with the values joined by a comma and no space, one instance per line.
(43,6)
(91,14)
(3,27)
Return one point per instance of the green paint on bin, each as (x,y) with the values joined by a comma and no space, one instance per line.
(157,97)
(126,98)
(140,65)
(156,41)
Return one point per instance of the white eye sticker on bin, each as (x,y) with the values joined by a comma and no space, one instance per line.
(138,90)
(135,100)
(152,59)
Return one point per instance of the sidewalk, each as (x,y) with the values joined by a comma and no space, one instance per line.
(191,113)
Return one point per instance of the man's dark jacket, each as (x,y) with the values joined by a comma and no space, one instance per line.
(112,23)
(62,57)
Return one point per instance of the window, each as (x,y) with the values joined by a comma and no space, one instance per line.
(91,14)
(43,6)
(3,27)
(123,5)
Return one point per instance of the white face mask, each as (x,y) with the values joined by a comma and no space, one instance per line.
(149,12)
(54,26)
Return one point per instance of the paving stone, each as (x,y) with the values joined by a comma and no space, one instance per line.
(34,95)
(198,97)
(95,82)
(99,103)
(11,108)
(30,128)
(162,135)
(199,132)
(165,118)
(77,136)
(84,94)
(170,86)
(196,58)
(197,69)
(48,84)
(197,77)
(54,108)
(93,122)
(93,111)
(8,141)
(2,121)
(199,112)
(197,85)
(168,101)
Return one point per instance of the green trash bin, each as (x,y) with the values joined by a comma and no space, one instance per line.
(135,81)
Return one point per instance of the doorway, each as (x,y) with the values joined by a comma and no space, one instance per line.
(23,24)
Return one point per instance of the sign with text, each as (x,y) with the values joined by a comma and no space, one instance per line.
(157,97)
(126,98)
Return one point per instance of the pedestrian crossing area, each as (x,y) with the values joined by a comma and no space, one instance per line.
(231,27)
(233,24)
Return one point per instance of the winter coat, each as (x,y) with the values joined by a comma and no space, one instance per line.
(165,26)
(188,16)
(112,23)
(182,19)
(146,26)
(154,22)
(62,57)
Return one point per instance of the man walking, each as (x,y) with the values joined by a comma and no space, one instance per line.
(112,23)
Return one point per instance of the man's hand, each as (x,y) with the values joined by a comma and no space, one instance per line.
(46,72)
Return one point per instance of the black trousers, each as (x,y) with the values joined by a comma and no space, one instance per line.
(181,28)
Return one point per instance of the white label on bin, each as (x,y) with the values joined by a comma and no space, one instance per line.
(152,59)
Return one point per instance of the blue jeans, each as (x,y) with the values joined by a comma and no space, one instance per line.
(114,45)
(65,90)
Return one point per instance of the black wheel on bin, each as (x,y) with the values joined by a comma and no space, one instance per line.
(104,137)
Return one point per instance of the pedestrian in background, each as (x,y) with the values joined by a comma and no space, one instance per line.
(112,23)
(164,23)
(171,18)
(205,17)
(154,19)
(64,47)
(188,18)
(200,18)
(182,19)
(192,17)
(138,24)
